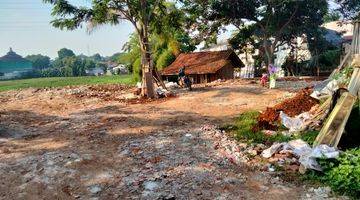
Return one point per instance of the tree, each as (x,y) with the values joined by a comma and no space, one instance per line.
(39,61)
(167,39)
(64,52)
(259,22)
(332,16)
(350,9)
(97,57)
(89,64)
(140,13)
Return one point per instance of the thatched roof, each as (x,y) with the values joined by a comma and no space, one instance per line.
(206,62)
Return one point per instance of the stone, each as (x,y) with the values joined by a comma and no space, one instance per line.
(150,185)
(94,189)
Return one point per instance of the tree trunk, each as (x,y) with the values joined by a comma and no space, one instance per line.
(269,53)
(146,66)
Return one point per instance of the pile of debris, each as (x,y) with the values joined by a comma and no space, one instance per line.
(115,92)
(300,103)
(160,91)
(298,155)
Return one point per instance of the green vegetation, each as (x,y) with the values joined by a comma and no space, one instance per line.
(39,61)
(63,81)
(243,131)
(341,174)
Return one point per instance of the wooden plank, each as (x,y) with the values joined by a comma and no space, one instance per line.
(355,44)
(354,84)
(334,127)
(356,61)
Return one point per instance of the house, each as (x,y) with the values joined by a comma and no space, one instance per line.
(340,33)
(119,69)
(204,67)
(97,71)
(13,65)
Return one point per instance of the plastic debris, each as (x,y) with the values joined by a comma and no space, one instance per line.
(298,146)
(294,124)
(276,147)
(171,85)
(325,90)
(161,92)
(308,158)
(307,155)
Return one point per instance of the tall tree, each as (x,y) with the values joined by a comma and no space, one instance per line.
(140,13)
(64,52)
(270,23)
(349,8)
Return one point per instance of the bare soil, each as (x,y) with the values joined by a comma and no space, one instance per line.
(55,144)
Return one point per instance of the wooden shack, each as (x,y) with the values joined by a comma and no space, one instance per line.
(204,67)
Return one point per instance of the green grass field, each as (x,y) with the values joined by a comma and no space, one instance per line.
(64,81)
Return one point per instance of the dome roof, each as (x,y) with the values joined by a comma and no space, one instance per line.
(12,56)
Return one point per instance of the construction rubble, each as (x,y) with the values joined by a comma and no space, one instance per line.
(302,102)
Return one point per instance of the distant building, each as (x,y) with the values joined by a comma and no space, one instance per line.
(97,71)
(13,65)
(204,67)
(340,33)
(120,69)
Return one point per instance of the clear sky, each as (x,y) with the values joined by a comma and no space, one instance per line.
(24,26)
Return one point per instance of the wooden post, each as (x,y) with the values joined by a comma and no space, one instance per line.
(333,128)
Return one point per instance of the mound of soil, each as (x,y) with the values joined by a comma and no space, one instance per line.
(301,102)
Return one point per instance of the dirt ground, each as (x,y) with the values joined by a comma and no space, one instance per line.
(56,145)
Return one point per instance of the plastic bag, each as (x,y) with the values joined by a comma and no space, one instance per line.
(294,124)
(308,160)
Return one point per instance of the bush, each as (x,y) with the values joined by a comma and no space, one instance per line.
(329,59)
(341,174)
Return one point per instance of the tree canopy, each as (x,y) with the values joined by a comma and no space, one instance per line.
(263,24)
(39,61)
(64,52)
(140,13)
(349,8)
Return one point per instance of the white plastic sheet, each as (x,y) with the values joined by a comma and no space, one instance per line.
(327,90)
(171,85)
(307,155)
(294,124)
(308,159)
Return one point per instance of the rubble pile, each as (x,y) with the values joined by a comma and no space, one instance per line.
(300,103)
(115,92)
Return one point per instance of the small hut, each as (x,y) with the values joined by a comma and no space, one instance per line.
(204,67)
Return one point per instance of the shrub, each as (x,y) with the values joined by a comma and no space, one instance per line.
(341,174)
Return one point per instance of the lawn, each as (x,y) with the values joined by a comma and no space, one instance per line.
(63,81)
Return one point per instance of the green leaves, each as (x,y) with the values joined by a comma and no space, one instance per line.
(341,174)
(350,9)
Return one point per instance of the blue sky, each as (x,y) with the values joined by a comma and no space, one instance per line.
(24,26)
